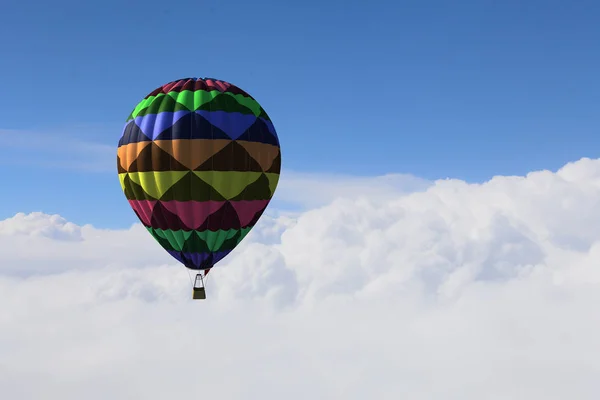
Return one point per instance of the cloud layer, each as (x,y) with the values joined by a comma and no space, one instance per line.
(459,291)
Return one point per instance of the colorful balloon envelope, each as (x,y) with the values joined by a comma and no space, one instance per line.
(199,161)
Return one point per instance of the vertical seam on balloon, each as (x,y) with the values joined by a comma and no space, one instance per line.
(212,175)
(169,233)
(194,231)
(222,233)
(245,192)
(175,202)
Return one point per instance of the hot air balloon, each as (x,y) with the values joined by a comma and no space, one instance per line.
(198,161)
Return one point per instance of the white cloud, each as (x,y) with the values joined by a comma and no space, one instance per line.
(316,189)
(459,291)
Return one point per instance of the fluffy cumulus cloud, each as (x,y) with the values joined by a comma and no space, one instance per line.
(458,291)
(315,190)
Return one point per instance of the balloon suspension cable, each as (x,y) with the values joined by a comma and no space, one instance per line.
(203,277)
(190,276)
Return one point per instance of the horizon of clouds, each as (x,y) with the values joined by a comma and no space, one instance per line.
(455,291)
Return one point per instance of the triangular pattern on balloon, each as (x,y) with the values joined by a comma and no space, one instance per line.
(263,153)
(225,102)
(178,255)
(256,217)
(192,213)
(129,152)
(163,104)
(134,191)
(192,153)
(164,242)
(263,114)
(232,123)
(144,209)
(153,158)
(120,169)
(257,190)
(246,210)
(153,124)
(275,168)
(164,219)
(232,241)
(224,218)
(142,105)
(175,239)
(199,261)
(259,132)
(195,245)
(156,183)
(191,188)
(133,134)
(199,100)
(219,240)
(192,126)
(191,260)
(174,215)
(229,183)
(232,157)
(194,85)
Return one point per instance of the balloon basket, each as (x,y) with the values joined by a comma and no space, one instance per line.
(199,292)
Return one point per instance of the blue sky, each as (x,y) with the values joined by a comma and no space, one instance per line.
(463,89)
